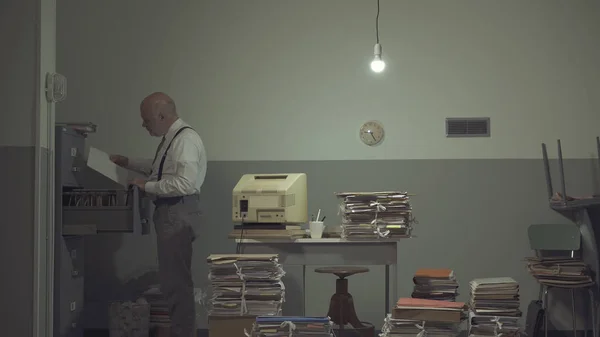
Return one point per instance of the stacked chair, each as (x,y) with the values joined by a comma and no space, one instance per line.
(558,264)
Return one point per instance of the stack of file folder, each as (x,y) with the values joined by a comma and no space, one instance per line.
(429,310)
(372,215)
(493,326)
(159,309)
(246,284)
(435,284)
(498,296)
(284,326)
(494,307)
(411,328)
(563,272)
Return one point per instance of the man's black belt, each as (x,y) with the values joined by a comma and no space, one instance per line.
(170,201)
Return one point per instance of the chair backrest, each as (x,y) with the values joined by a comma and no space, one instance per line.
(554,237)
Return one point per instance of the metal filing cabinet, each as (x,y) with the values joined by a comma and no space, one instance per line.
(82,211)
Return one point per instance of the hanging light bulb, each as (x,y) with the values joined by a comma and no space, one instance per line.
(377,65)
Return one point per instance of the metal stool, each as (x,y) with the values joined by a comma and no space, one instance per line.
(341,306)
(559,238)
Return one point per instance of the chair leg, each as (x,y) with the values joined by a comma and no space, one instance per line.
(545,305)
(593,311)
(573,312)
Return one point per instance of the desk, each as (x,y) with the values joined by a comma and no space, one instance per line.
(332,251)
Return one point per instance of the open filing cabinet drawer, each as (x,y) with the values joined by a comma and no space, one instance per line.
(89,212)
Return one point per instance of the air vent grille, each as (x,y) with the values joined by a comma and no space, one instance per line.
(468,127)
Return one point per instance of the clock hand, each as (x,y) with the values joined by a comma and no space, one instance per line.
(372,136)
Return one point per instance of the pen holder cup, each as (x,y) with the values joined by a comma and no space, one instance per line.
(316,229)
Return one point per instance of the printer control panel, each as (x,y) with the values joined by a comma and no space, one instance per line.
(244,208)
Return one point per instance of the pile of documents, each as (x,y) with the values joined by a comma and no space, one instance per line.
(418,309)
(493,326)
(405,327)
(245,284)
(266,231)
(494,307)
(159,309)
(561,272)
(129,319)
(285,326)
(435,284)
(497,296)
(372,215)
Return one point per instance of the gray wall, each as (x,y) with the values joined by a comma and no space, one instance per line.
(473,217)
(17,88)
(27,37)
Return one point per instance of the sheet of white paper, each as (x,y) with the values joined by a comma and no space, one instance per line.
(100,162)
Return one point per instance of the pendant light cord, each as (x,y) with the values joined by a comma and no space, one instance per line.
(377,23)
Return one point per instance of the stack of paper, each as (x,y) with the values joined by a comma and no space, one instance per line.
(246,284)
(159,309)
(495,297)
(371,215)
(435,284)
(266,231)
(560,272)
(429,310)
(487,326)
(284,326)
(410,328)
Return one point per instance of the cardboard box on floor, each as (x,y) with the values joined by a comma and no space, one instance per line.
(230,326)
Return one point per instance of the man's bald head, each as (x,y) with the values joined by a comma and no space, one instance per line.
(158,112)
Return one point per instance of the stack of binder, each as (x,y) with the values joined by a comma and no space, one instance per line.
(284,326)
(159,309)
(405,327)
(435,284)
(429,310)
(246,284)
(494,307)
(563,272)
(372,215)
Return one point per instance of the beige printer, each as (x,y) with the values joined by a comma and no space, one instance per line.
(271,199)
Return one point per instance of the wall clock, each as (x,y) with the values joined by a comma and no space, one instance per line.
(371,133)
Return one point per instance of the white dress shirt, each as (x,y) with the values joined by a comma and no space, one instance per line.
(184,168)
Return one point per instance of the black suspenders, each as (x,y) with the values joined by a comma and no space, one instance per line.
(164,156)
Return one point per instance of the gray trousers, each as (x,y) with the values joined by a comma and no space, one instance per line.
(174,226)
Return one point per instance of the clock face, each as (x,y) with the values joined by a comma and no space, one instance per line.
(371,133)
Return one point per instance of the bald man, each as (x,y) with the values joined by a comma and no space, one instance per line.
(175,176)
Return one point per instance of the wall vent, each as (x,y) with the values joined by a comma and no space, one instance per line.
(468,127)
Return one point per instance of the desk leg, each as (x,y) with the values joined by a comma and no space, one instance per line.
(303,290)
(394,272)
(387,290)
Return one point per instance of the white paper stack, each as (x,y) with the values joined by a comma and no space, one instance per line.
(100,162)
(560,272)
(129,319)
(411,328)
(296,326)
(494,307)
(372,215)
(246,284)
